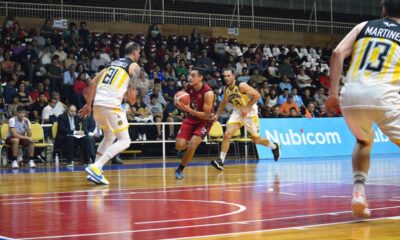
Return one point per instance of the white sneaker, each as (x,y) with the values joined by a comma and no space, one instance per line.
(32,164)
(14,164)
(359,206)
(144,137)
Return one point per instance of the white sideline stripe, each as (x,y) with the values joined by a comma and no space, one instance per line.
(96,192)
(216,224)
(40,210)
(282,229)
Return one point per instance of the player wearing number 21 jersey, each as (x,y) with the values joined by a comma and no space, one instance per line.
(108,89)
(371,92)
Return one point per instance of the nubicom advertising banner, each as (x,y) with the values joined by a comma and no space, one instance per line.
(315,137)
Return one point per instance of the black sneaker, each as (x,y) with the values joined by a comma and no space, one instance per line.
(217,164)
(276,152)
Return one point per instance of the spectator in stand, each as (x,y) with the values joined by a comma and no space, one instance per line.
(83,31)
(294,113)
(156,110)
(85,61)
(195,39)
(18,71)
(60,107)
(286,106)
(211,81)
(312,110)
(326,52)
(173,114)
(168,71)
(12,107)
(29,58)
(285,83)
(169,90)
(324,80)
(204,61)
(7,65)
(97,61)
(276,112)
(283,97)
(257,78)
(219,51)
(23,97)
(45,55)
(80,85)
(293,55)
(234,50)
(19,133)
(10,90)
(55,73)
(34,95)
(307,97)
(49,114)
(46,30)
(297,98)
(154,33)
(320,99)
(41,41)
(37,108)
(116,54)
(286,69)
(70,61)
(240,65)
(61,53)
(143,81)
(303,80)
(68,84)
(80,68)
(182,69)
(104,55)
(245,77)
(141,115)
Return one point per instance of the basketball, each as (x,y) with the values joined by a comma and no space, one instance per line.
(182,97)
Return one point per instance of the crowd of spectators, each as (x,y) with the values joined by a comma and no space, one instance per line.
(45,69)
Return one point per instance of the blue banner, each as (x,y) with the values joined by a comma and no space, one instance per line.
(315,137)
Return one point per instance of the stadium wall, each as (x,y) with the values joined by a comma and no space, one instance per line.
(246,36)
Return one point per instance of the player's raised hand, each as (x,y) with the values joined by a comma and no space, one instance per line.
(85,111)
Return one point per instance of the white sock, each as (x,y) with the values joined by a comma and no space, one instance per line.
(222,156)
(271,145)
(360,178)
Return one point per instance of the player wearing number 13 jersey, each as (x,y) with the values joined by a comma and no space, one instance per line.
(108,89)
(371,92)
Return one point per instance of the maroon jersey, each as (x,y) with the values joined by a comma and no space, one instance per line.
(197,101)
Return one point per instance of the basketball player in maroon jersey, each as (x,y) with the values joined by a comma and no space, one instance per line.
(198,121)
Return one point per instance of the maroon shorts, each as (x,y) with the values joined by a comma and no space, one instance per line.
(191,128)
(22,142)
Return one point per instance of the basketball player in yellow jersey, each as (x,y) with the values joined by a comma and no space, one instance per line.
(371,90)
(108,89)
(245,112)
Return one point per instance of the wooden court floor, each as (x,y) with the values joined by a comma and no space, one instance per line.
(289,199)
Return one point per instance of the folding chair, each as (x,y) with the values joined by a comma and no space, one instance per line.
(38,137)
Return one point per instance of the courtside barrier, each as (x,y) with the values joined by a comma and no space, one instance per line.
(316,137)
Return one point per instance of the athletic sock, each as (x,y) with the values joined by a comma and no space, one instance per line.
(181,167)
(271,145)
(360,178)
(222,156)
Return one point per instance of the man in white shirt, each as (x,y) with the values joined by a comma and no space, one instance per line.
(19,133)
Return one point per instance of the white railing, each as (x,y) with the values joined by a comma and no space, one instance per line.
(103,14)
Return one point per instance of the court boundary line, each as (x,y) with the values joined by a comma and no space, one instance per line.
(213,224)
(5,238)
(280,229)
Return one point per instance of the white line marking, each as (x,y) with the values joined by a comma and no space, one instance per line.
(207,225)
(50,211)
(326,196)
(286,193)
(227,190)
(241,209)
(305,227)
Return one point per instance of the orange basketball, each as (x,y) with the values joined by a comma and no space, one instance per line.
(182,97)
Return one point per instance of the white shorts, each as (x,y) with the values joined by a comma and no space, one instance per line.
(360,122)
(110,119)
(252,123)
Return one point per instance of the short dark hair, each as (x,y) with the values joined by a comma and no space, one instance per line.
(130,47)
(233,71)
(392,7)
(154,96)
(201,71)
(20,108)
